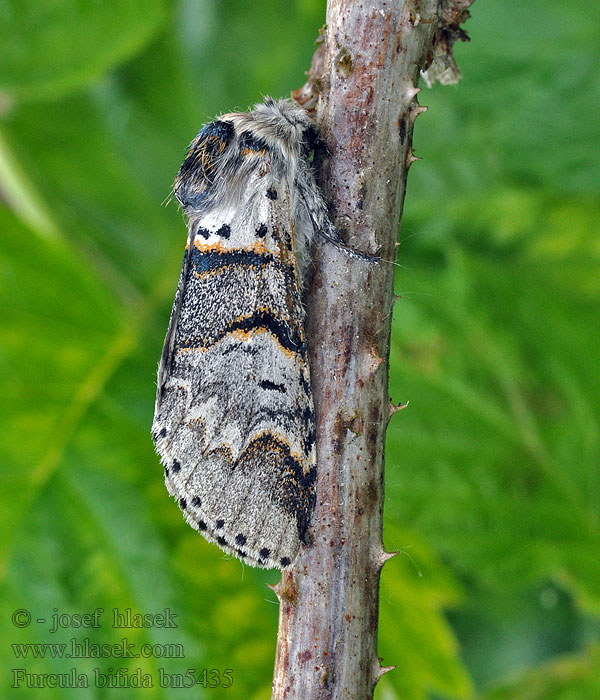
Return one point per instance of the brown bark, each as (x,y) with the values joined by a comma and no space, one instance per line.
(370,62)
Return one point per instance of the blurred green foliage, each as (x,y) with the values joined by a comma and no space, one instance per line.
(493,472)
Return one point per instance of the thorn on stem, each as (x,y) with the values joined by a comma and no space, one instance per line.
(395,407)
(419,109)
(412,92)
(380,670)
(411,158)
(381,556)
(275,588)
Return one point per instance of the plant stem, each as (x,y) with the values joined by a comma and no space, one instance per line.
(327,642)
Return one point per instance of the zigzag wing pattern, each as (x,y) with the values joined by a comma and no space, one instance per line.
(234,423)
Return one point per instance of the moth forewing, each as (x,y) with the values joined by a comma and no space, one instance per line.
(234,421)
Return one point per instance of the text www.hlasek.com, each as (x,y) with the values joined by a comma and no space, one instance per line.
(85,649)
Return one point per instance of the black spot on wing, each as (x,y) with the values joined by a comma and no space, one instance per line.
(272,193)
(261,231)
(224,231)
(271,386)
(241,347)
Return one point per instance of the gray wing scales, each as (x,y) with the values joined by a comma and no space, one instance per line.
(234,423)
(167,351)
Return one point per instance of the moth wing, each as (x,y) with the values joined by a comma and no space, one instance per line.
(167,351)
(234,422)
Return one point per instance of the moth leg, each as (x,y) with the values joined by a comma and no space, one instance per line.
(350,252)
(332,235)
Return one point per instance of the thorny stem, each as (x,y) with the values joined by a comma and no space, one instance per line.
(365,76)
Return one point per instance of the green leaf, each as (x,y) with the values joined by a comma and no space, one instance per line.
(570,678)
(502,430)
(414,634)
(48,49)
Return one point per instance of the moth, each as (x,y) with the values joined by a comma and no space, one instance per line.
(234,421)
